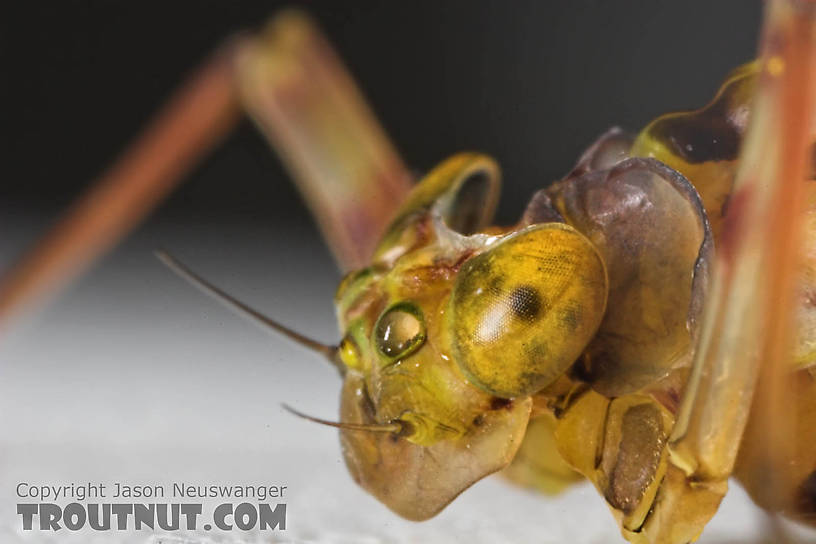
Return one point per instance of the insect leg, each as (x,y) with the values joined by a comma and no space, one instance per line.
(294,86)
(298,92)
(193,121)
(747,321)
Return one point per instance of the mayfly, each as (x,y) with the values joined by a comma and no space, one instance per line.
(616,333)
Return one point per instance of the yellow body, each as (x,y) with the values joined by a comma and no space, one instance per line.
(560,347)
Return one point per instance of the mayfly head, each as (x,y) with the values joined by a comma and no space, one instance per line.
(449,332)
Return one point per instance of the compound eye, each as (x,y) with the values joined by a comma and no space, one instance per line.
(522,311)
(400,330)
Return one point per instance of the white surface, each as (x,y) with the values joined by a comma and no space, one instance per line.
(133,376)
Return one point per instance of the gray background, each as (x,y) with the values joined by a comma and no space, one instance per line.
(133,376)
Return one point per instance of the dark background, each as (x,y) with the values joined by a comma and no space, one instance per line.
(530,82)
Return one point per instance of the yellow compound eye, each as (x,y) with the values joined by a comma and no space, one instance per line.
(400,330)
(524,310)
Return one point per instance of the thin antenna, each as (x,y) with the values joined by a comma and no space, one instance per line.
(374,427)
(330,352)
